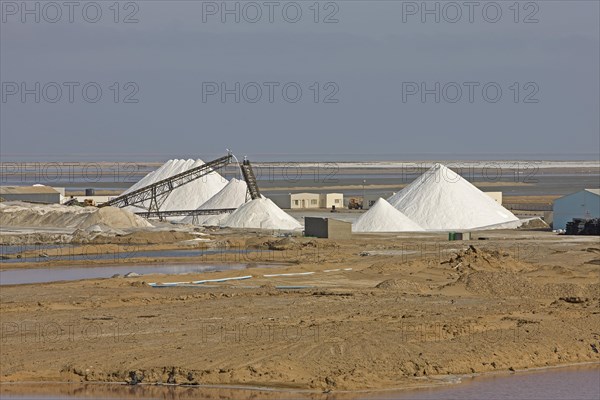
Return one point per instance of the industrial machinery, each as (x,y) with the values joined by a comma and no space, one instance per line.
(355,204)
(158,192)
(250,179)
(581,226)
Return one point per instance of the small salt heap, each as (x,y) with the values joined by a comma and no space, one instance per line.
(383,217)
(232,195)
(261,214)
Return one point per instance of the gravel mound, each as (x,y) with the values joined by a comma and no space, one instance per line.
(401,285)
(27,215)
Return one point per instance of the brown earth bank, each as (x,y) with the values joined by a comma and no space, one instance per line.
(107,390)
(411,310)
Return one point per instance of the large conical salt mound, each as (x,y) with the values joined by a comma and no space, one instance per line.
(187,197)
(261,214)
(383,217)
(440,199)
(232,195)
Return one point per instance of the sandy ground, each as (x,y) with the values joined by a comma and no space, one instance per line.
(412,310)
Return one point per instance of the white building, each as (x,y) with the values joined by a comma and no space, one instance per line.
(328,200)
(308,200)
(583,204)
(296,200)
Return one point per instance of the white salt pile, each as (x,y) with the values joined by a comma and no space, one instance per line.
(232,195)
(440,199)
(24,215)
(261,214)
(186,197)
(209,220)
(383,217)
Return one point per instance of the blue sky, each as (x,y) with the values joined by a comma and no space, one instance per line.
(354,75)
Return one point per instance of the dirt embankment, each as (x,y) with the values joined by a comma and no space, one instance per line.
(399,317)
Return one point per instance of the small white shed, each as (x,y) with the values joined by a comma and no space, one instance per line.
(327,200)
